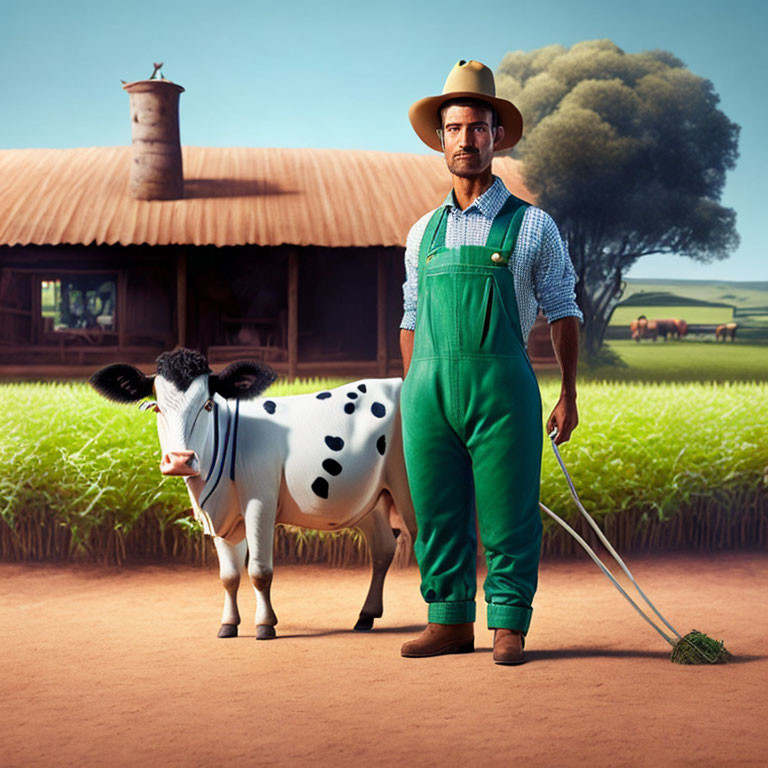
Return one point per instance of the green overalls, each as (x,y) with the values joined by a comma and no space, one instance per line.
(471,410)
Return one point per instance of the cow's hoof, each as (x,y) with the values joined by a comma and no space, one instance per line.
(364,623)
(265,632)
(227,630)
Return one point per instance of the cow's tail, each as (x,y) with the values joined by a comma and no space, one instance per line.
(404,548)
(404,541)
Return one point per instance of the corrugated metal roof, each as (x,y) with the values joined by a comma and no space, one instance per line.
(233,196)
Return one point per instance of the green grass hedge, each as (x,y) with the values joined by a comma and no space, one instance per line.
(659,465)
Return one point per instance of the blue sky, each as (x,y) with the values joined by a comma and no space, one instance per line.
(342,74)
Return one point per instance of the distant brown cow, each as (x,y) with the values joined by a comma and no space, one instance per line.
(643,329)
(725,330)
(666,327)
(682,329)
(673,327)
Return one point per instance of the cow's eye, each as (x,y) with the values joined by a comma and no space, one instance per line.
(208,405)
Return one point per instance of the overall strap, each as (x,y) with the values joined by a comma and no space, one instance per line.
(506,225)
(434,234)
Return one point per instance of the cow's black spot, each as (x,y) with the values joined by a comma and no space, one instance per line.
(320,487)
(352,395)
(349,408)
(323,395)
(362,387)
(332,467)
(381,445)
(269,406)
(378,410)
(334,443)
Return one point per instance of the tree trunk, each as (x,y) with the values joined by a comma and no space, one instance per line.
(597,295)
(592,335)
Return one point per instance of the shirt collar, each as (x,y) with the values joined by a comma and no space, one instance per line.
(488,204)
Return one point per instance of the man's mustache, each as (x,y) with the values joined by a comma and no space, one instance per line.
(467,151)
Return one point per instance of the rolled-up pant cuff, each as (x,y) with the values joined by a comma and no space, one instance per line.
(509,617)
(458,612)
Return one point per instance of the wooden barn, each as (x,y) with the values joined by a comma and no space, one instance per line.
(293,256)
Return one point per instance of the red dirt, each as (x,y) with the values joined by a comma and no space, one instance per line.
(123,668)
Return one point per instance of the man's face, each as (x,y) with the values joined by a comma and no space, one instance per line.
(468,139)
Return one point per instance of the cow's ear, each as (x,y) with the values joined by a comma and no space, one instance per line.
(241,380)
(122,383)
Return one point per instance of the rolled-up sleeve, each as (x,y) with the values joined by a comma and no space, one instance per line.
(410,290)
(411,284)
(554,276)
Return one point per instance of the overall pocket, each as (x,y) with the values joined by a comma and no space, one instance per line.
(507,336)
(436,318)
(493,331)
(488,311)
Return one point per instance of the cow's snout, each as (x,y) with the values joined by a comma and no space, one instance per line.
(180,463)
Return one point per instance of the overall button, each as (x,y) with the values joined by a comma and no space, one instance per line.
(496,257)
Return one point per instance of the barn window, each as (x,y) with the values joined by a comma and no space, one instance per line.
(79,302)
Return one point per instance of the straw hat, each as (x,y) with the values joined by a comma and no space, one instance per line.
(468,79)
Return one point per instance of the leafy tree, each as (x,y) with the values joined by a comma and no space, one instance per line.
(628,152)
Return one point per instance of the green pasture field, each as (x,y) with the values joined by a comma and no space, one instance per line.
(687,360)
(660,465)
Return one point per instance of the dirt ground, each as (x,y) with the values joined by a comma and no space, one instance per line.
(122,667)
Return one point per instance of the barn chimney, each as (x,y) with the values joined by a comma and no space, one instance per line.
(156,172)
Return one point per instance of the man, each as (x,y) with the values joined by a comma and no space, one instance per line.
(477,270)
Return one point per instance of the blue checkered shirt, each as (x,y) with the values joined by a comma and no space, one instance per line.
(543,273)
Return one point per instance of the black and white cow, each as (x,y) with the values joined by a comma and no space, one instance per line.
(325,461)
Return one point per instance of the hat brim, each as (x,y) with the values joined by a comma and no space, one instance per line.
(424,115)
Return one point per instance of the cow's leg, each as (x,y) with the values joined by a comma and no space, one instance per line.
(231,561)
(260,533)
(381,542)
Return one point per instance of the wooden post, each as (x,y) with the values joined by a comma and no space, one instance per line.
(122,308)
(181,299)
(37,310)
(382,357)
(293,314)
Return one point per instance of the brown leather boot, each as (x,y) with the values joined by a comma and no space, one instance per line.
(508,646)
(438,639)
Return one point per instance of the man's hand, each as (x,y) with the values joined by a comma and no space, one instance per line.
(565,416)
